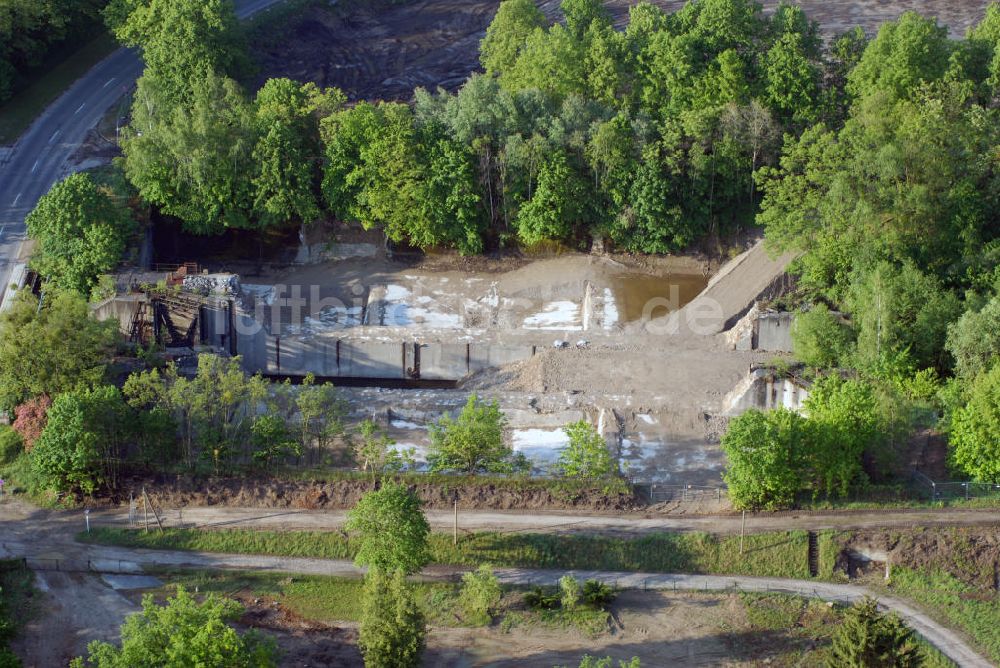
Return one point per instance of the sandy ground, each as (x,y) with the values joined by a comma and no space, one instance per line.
(77,608)
(653,375)
(380,51)
(660,628)
(85,607)
(28,532)
(216,517)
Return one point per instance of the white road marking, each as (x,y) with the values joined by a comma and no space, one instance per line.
(35,167)
(80,108)
(110,81)
(16,198)
(54,135)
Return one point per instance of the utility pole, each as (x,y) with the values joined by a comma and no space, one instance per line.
(455,532)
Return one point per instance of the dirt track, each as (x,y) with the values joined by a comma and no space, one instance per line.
(378,51)
(54,538)
(291,519)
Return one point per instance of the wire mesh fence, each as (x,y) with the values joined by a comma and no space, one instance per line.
(952,490)
(658,492)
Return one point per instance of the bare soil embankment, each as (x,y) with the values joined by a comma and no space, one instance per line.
(344,494)
(381,51)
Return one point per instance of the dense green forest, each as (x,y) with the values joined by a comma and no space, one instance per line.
(872,159)
(31,31)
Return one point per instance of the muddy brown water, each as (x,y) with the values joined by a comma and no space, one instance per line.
(642,296)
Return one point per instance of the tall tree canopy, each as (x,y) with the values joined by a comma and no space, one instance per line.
(180,39)
(51,348)
(81,231)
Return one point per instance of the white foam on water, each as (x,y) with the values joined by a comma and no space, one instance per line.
(647,418)
(540,446)
(406,424)
(396,293)
(610,309)
(402,310)
(561,315)
(262,293)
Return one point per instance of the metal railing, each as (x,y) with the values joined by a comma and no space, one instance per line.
(658,492)
(952,490)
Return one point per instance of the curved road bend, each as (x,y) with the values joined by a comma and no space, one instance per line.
(40,156)
(54,554)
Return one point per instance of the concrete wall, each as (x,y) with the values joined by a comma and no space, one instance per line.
(761,390)
(121,309)
(774,332)
(350,358)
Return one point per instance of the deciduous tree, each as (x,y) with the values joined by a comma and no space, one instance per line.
(81,232)
(472,442)
(587,454)
(52,347)
(975,428)
(183,633)
(392,530)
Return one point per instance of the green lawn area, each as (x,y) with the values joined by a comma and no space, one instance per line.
(953,603)
(18,604)
(18,113)
(778,554)
(331,599)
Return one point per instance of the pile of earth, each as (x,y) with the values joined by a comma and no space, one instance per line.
(971,554)
(470,493)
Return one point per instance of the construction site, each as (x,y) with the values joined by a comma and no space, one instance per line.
(656,354)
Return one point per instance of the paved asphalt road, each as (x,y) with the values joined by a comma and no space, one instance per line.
(40,156)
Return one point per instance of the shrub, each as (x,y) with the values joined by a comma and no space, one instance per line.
(393,632)
(570,589)
(598,594)
(182,633)
(539,599)
(11,445)
(869,638)
(480,593)
(30,418)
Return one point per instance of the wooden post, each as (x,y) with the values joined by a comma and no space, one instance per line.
(147,503)
(743,530)
(455,533)
(145,512)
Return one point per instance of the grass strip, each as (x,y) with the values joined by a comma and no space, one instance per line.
(954,603)
(26,105)
(777,554)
